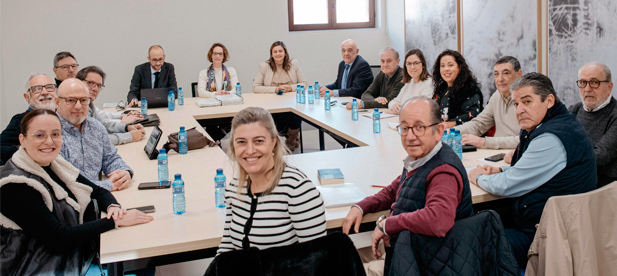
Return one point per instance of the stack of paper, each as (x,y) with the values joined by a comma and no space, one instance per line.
(208,102)
(339,195)
(381,116)
(229,99)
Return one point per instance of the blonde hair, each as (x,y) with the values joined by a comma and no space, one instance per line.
(259,115)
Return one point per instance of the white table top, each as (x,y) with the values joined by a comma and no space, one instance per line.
(377,161)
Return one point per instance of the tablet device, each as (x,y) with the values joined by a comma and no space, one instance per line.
(153,141)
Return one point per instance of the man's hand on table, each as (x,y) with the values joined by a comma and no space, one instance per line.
(120,179)
(470,139)
(485,170)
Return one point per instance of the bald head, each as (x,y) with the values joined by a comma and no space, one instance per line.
(73,99)
(420,128)
(600,75)
(349,50)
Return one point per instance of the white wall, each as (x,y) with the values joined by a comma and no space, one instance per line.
(115,35)
(395,28)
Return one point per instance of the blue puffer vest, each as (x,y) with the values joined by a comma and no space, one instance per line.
(579,175)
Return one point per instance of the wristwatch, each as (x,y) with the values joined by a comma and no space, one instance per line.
(379,224)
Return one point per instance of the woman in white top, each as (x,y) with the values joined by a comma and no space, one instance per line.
(268,203)
(218,79)
(417,80)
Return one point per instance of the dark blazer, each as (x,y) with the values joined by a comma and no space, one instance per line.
(142,79)
(359,78)
(9,138)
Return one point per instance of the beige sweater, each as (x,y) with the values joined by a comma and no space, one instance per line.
(263,80)
(501,113)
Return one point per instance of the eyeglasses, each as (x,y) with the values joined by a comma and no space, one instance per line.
(157,60)
(120,106)
(592,83)
(41,136)
(100,86)
(413,64)
(39,88)
(73,101)
(66,67)
(417,130)
(218,54)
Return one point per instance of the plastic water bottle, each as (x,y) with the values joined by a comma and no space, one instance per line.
(171,101)
(144,106)
(302,95)
(298,94)
(219,188)
(183,146)
(451,138)
(354,110)
(238,90)
(327,100)
(178,195)
(376,121)
(444,137)
(317,93)
(310,96)
(163,167)
(180,96)
(458,144)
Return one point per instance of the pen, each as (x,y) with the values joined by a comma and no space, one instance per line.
(378,186)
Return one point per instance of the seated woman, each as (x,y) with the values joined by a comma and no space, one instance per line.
(48,221)
(417,80)
(218,79)
(269,203)
(456,89)
(281,72)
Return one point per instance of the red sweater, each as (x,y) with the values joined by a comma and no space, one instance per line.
(444,190)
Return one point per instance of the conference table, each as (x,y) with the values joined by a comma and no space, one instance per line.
(376,161)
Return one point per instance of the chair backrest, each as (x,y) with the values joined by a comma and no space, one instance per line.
(194,89)
(334,254)
(375,69)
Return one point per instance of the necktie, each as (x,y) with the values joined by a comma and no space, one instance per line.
(156,79)
(345,73)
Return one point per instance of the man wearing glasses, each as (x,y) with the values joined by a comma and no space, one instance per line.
(156,73)
(118,125)
(85,143)
(65,67)
(598,114)
(40,94)
(433,190)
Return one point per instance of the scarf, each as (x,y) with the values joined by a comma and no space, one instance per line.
(211,81)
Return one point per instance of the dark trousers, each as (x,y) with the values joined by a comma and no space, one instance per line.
(520,241)
(286,121)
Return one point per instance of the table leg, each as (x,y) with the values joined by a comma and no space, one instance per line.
(322,145)
(115,269)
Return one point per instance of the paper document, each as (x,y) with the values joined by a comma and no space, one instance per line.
(208,102)
(229,99)
(109,105)
(393,126)
(339,195)
(381,116)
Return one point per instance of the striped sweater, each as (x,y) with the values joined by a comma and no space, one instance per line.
(294,212)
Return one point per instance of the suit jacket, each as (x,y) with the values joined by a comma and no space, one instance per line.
(142,79)
(359,78)
(263,79)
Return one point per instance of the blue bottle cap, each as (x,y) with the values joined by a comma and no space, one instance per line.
(354,100)
(179,88)
(237,83)
(376,110)
(298,85)
(219,170)
(310,86)
(327,92)
(171,92)
(181,128)
(161,151)
(316,83)
(143,98)
(178,176)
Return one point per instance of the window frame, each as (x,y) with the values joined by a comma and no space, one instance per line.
(332,25)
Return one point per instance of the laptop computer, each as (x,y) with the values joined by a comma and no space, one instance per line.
(156,97)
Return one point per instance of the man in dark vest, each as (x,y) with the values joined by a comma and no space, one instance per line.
(554,157)
(431,193)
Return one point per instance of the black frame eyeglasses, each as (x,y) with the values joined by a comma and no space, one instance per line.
(592,83)
(417,130)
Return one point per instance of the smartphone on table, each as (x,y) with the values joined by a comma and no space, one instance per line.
(496,157)
(154,185)
(146,209)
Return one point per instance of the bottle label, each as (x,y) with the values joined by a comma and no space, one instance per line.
(179,189)
(182,138)
(162,162)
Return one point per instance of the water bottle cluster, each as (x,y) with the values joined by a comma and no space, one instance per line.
(454,140)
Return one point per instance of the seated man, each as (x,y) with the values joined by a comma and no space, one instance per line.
(65,67)
(84,141)
(117,124)
(386,85)
(40,94)
(156,73)
(354,73)
(553,158)
(499,112)
(433,190)
(598,116)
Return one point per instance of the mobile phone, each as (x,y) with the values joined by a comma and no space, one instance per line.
(154,185)
(280,92)
(344,103)
(146,209)
(496,157)
(333,103)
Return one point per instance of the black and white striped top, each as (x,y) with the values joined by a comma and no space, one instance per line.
(294,212)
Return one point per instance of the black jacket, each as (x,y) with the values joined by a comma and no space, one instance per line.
(359,78)
(9,139)
(475,245)
(142,79)
(463,105)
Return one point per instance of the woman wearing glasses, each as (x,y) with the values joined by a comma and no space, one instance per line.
(218,79)
(47,212)
(456,89)
(417,80)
